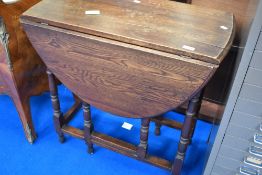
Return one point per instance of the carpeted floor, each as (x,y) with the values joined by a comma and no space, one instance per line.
(47,156)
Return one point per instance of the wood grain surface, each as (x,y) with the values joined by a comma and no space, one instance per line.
(28,68)
(120,78)
(243,10)
(161,25)
(22,71)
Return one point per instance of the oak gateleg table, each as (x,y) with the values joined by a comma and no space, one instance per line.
(135,59)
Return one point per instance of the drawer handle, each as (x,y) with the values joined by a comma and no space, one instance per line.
(258,138)
(255,150)
(248,171)
(253,161)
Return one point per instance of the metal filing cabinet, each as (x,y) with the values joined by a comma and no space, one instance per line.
(249,104)
(237,149)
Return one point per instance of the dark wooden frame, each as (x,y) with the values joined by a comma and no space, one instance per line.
(22,73)
(138,152)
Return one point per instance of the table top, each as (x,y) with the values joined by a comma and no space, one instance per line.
(177,28)
(134,59)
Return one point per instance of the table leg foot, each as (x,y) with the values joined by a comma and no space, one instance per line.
(61,139)
(177,166)
(90,149)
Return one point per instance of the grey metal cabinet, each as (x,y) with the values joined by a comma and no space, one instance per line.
(259,44)
(238,145)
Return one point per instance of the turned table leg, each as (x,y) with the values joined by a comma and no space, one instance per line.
(186,133)
(88,127)
(58,116)
(142,147)
(194,118)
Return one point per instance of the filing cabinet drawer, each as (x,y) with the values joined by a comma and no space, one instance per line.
(240,132)
(245,120)
(237,143)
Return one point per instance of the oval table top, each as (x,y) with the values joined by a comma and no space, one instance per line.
(131,58)
(166,25)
